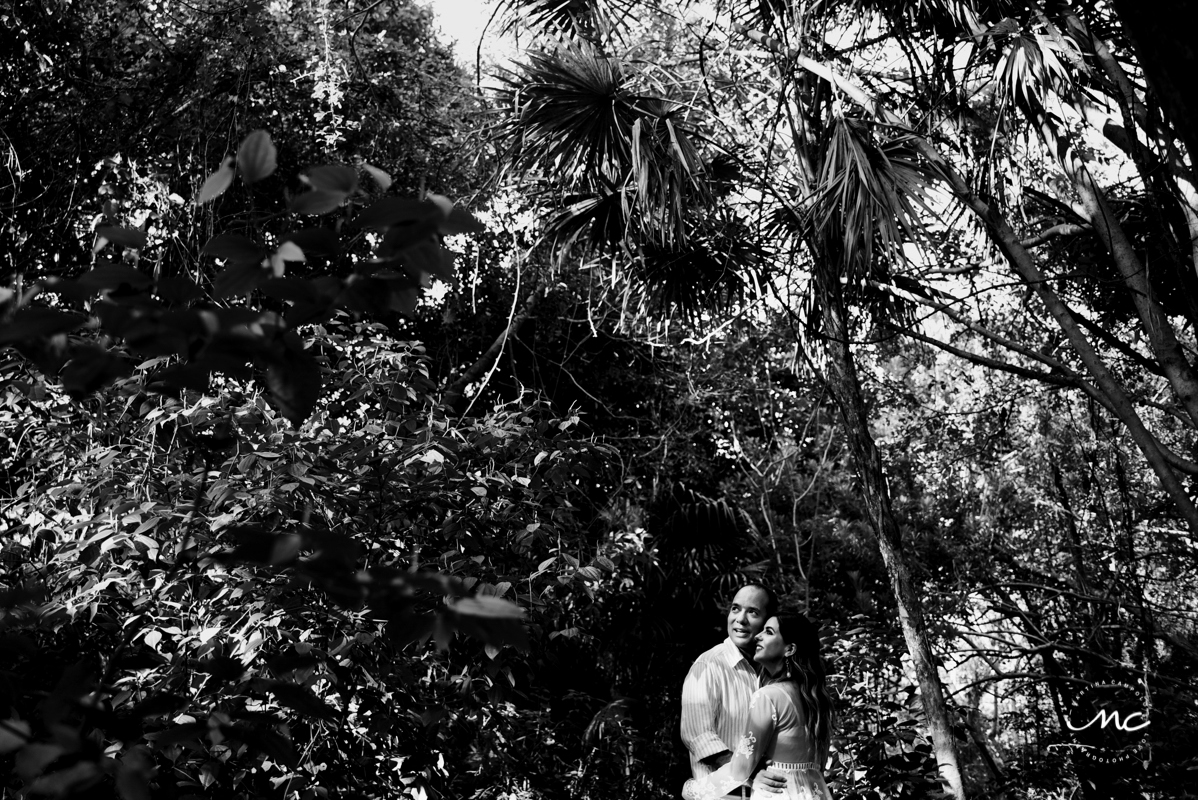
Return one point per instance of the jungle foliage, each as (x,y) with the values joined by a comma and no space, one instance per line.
(317,482)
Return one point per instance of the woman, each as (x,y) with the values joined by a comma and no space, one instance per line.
(790,716)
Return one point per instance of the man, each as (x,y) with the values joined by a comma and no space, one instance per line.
(716,694)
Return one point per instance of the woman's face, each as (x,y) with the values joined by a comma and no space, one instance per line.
(771,649)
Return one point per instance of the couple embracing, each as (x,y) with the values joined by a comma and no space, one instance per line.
(756,708)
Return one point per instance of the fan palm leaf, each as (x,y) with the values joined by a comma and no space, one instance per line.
(719,266)
(856,220)
(597,218)
(570,115)
(666,170)
(575,118)
(572,19)
(865,207)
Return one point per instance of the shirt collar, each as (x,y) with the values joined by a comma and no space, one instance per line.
(733,656)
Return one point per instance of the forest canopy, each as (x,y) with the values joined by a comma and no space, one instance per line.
(379,426)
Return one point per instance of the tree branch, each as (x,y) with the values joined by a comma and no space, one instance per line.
(455,390)
(1064,229)
(1064,381)
(1123,347)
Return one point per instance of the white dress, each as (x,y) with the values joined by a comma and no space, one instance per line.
(777,736)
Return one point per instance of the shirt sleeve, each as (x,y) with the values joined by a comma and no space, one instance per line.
(749,752)
(701,699)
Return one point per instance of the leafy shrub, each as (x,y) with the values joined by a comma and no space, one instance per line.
(240,518)
(198,595)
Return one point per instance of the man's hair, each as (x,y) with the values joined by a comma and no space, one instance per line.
(771,600)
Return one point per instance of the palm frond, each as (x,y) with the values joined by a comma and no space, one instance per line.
(715,269)
(589,20)
(866,208)
(869,204)
(570,114)
(666,171)
(575,118)
(596,218)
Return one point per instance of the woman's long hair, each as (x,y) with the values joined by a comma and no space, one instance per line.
(806,669)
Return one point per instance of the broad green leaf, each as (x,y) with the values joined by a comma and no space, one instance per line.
(334,179)
(367,295)
(295,290)
(256,158)
(442,633)
(427,257)
(179,733)
(488,606)
(286,548)
(291,660)
(224,668)
(315,241)
(460,220)
(234,248)
(400,237)
(37,322)
(133,775)
(444,204)
(316,202)
(293,378)
(14,733)
(113,276)
(156,337)
(404,300)
(238,279)
(177,289)
(67,781)
(589,573)
(271,743)
(380,177)
(288,251)
(33,758)
(182,376)
(390,211)
(217,183)
(124,237)
(106,276)
(489,619)
(298,698)
(92,367)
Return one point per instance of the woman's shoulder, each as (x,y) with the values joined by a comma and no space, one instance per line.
(772,693)
(777,687)
(778,694)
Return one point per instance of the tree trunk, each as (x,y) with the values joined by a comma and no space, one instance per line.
(846,388)
(990,756)
(1158,330)
(1168,55)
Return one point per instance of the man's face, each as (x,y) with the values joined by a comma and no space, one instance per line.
(746,616)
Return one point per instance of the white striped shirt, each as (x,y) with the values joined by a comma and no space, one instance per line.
(715,703)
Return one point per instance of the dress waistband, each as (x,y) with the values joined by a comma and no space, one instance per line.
(792,766)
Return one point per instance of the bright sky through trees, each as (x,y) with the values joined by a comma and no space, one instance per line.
(462,22)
